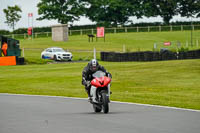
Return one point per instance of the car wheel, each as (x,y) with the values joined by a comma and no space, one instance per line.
(42,56)
(55,58)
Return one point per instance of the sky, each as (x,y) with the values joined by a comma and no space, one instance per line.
(30,6)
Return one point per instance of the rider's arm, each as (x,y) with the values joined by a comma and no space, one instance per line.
(84,77)
(104,70)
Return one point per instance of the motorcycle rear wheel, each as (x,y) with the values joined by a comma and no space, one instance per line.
(105,105)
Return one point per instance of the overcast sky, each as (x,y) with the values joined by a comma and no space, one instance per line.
(30,6)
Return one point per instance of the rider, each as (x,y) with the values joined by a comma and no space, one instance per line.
(91,68)
(4,48)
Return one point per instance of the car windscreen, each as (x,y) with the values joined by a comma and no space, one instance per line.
(58,50)
(48,50)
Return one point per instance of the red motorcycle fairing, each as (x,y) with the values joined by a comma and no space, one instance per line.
(100,82)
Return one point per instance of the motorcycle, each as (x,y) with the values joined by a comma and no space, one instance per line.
(100,91)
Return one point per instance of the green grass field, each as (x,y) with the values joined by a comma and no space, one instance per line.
(79,45)
(169,83)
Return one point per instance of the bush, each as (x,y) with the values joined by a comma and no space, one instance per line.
(4,32)
(36,29)
(182,49)
(37,61)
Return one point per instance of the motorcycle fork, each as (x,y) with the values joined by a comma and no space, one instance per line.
(105,90)
(99,92)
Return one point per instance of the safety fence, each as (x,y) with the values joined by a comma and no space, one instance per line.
(113,30)
(137,29)
(26,36)
(149,56)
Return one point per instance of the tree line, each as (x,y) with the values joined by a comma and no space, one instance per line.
(116,12)
(107,12)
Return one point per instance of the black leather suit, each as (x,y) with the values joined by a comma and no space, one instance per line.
(87,76)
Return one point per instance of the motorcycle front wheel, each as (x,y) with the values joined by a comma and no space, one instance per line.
(105,100)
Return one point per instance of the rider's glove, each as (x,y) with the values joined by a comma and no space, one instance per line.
(87,83)
(109,75)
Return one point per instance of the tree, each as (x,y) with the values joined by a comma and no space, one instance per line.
(189,8)
(12,15)
(111,12)
(164,8)
(62,10)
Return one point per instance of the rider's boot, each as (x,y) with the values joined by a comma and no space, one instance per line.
(87,89)
(89,98)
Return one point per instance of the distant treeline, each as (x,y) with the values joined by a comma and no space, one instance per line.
(78,27)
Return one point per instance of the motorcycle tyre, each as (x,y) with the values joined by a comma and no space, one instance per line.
(55,58)
(97,108)
(105,105)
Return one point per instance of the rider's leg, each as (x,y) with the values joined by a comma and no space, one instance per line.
(87,89)
(108,89)
(93,93)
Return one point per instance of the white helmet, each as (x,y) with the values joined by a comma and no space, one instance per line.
(93,65)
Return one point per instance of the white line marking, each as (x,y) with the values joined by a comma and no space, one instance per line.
(157,106)
(76,98)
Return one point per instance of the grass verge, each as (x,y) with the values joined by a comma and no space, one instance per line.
(81,48)
(169,83)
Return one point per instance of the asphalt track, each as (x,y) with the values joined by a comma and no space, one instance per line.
(38,114)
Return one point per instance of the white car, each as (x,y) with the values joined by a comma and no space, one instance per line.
(56,53)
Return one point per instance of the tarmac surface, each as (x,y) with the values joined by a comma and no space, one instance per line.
(41,114)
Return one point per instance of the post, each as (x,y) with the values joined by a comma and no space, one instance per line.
(124,48)
(137,29)
(192,34)
(32,28)
(115,31)
(92,31)
(23,52)
(155,46)
(160,28)
(171,29)
(94,53)
(179,44)
(148,28)
(28,19)
(24,35)
(186,43)
(81,32)
(181,27)
(125,29)
(13,36)
(197,42)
